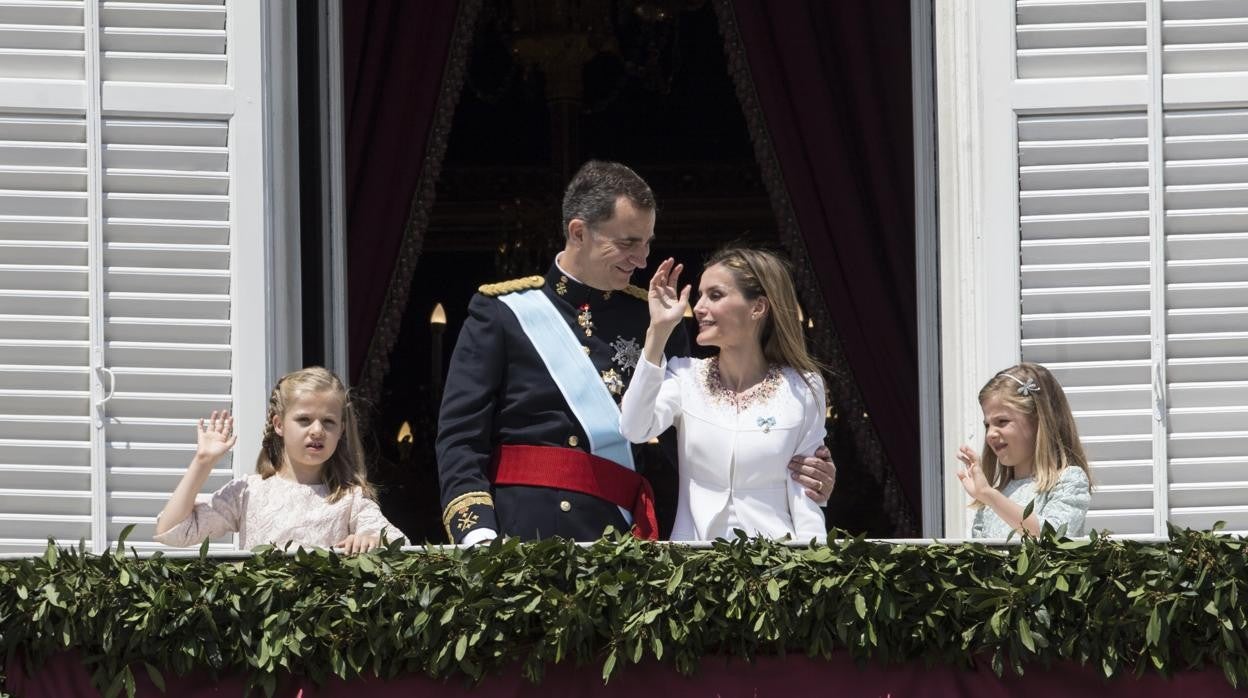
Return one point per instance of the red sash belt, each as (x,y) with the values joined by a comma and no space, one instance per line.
(578,471)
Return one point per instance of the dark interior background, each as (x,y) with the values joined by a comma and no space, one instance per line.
(658,97)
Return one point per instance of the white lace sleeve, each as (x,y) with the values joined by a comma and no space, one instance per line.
(366,517)
(220,513)
(1068,502)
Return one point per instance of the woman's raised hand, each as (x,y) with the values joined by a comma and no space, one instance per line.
(667,305)
(216,435)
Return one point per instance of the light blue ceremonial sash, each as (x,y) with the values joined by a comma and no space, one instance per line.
(575,376)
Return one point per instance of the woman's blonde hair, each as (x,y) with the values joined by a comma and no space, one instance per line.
(763,274)
(345,468)
(1032,390)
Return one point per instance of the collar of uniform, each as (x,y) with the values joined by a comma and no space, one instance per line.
(573,291)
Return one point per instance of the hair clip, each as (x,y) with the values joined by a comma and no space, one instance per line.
(1024,389)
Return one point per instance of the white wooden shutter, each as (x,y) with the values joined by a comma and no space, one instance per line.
(167,253)
(1085,263)
(42,40)
(1205,36)
(1206,203)
(132,273)
(166,304)
(1084,250)
(45,430)
(1092,38)
(1131,118)
(1205,72)
(163,42)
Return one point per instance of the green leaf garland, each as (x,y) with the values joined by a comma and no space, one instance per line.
(1122,607)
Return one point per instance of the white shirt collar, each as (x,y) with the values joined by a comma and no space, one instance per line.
(565,271)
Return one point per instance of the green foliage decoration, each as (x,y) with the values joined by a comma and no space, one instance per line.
(1123,607)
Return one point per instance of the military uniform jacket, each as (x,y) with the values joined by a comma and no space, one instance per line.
(498,391)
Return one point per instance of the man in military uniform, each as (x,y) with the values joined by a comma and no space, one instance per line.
(528,436)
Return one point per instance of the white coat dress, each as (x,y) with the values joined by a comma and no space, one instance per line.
(734,449)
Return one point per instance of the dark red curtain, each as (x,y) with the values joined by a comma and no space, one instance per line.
(394,56)
(833,85)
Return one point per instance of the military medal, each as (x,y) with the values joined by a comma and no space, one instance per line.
(626,353)
(612,380)
(586,320)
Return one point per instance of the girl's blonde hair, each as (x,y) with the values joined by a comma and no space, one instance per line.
(763,274)
(345,468)
(1032,390)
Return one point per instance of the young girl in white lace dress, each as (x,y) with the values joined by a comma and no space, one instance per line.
(741,415)
(310,486)
(1031,453)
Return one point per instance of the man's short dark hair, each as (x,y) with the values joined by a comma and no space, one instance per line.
(592,193)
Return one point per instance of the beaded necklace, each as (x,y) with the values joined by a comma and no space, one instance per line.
(723,395)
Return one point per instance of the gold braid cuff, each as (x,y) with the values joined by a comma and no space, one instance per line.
(637,292)
(461,508)
(504,287)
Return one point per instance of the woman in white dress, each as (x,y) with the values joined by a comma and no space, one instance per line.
(741,415)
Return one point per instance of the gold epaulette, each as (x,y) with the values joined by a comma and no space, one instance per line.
(637,292)
(505,287)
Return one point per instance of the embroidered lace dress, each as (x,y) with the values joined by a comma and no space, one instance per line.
(1067,503)
(277,511)
(734,448)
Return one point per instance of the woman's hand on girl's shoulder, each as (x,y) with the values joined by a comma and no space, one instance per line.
(216,435)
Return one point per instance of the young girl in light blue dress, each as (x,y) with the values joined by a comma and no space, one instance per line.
(1031,454)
